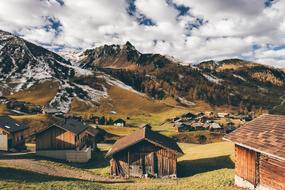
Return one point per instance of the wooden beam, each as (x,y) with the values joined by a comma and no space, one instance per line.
(128,163)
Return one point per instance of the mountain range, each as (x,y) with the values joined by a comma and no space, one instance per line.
(31,73)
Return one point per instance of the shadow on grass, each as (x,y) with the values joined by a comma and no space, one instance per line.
(14,174)
(24,155)
(188,168)
(98,160)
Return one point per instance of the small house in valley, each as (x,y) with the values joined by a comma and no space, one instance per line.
(12,134)
(144,153)
(69,140)
(183,127)
(188,116)
(198,126)
(119,122)
(260,153)
(215,127)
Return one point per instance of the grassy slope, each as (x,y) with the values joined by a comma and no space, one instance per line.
(208,167)
(35,122)
(140,109)
(39,94)
(3,110)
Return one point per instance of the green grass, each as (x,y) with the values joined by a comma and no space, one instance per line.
(207,167)
(189,137)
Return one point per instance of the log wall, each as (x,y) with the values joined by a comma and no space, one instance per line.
(144,158)
(55,139)
(272,173)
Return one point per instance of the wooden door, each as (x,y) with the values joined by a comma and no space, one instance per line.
(136,166)
(245,164)
(150,166)
(4,142)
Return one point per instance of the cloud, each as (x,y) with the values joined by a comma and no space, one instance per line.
(190,30)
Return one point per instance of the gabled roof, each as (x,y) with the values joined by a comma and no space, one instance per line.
(11,125)
(95,131)
(265,134)
(215,126)
(71,125)
(147,134)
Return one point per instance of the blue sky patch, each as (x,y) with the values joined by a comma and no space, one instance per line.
(140,18)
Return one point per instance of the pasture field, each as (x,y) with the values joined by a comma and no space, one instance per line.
(207,167)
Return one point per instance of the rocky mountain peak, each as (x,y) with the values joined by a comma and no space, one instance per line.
(129,46)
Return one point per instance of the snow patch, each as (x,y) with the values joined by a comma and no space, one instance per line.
(78,71)
(185,102)
(239,77)
(212,78)
(71,56)
(114,82)
(62,99)
(94,95)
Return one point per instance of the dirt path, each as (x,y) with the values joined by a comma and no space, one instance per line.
(55,169)
(282,98)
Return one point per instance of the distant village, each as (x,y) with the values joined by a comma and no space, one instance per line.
(219,122)
(216,122)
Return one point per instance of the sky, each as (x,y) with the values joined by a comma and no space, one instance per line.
(189,30)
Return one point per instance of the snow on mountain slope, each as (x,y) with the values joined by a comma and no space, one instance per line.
(24,64)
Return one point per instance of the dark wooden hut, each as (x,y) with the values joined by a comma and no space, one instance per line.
(260,153)
(144,153)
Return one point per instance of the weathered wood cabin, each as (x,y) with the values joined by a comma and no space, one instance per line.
(12,134)
(144,153)
(65,138)
(260,153)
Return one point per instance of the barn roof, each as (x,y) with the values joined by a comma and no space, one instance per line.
(95,131)
(265,134)
(147,134)
(69,124)
(10,125)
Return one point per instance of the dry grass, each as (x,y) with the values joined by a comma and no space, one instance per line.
(207,167)
(79,107)
(3,110)
(39,94)
(118,131)
(35,122)
(127,102)
(236,66)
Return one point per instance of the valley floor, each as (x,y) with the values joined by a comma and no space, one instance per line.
(208,167)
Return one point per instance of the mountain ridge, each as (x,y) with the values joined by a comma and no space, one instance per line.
(231,82)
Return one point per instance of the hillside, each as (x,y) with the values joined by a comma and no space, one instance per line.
(30,73)
(231,82)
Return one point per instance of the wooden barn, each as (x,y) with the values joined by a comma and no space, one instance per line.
(260,153)
(64,138)
(12,134)
(144,153)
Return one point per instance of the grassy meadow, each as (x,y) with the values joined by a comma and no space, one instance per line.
(39,94)
(208,167)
